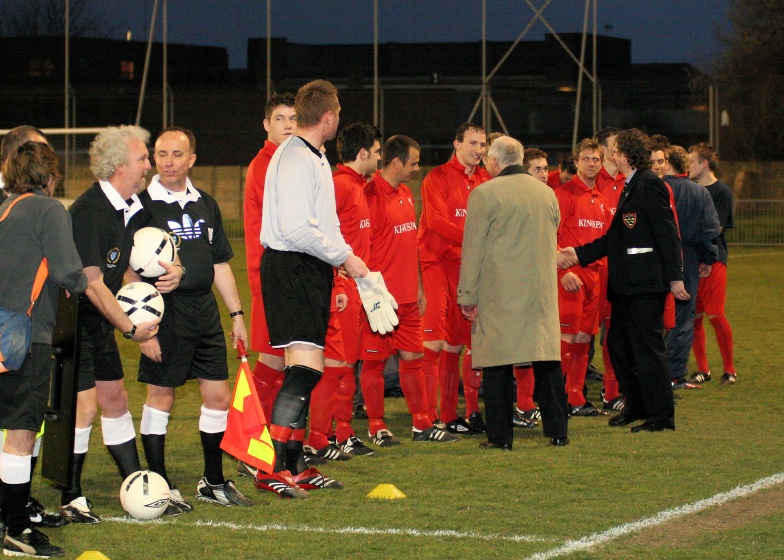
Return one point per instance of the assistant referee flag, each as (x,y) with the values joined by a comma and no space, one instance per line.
(247,437)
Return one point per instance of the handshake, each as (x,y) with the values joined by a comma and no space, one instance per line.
(378,303)
(566,258)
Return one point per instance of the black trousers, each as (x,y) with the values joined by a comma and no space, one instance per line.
(638,354)
(500,396)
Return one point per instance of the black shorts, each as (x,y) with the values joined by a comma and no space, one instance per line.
(297,289)
(99,358)
(192,341)
(24,393)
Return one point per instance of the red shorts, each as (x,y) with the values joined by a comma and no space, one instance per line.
(712,292)
(407,336)
(351,319)
(669,312)
(259,334)
(443,319)
(579,311)
(333,344)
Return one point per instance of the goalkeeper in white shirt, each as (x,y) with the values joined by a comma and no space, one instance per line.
(303,244)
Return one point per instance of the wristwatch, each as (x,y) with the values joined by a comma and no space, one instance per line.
(130,334)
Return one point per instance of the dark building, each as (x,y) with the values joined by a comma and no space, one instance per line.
(426,89)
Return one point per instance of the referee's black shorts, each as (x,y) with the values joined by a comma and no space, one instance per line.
(297,289)
(24,393)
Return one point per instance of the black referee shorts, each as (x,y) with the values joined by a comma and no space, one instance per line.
(99,357)
(24,393)
(192,341)
(297,289)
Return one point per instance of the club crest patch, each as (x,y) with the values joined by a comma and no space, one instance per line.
(113,256)
(630,219)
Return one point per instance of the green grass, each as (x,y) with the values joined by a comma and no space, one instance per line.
(501,505)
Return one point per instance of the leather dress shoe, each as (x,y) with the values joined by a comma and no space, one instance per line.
(652,427)
(559,441)
(491,445)
(623,419)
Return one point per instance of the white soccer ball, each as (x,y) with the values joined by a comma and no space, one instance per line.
(144,495)
(151,245)
(141,302)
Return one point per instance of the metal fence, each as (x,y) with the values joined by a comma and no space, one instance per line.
(758,222)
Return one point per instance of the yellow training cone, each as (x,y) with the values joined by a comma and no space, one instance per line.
(386,492)
(92,555)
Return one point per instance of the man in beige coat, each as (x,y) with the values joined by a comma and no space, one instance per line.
(508,290)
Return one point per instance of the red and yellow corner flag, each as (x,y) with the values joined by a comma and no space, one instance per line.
(247,436)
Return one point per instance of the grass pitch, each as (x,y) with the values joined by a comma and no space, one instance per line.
(537,501)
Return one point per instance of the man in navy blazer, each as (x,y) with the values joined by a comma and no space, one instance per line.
(645,262)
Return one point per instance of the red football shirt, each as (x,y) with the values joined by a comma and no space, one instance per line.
(393,247)
(445,192)
(611,187)
(585,215)
(554,178)
(353,210)
(254,197)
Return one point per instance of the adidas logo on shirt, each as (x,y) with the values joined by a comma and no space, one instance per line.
(188,229)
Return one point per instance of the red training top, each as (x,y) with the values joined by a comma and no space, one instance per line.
(254,197)
(393,250)
(353,210)
(445,192)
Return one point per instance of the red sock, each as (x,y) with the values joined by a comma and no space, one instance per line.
(698,346)
(472,380)
(344,404)
(267,381)
(280,433)
(322,407)
(525,387)
(575,376)
(610,382)
(566,356)
(412,381)
(449,380)
(724,339)
(430,371)
(372,381)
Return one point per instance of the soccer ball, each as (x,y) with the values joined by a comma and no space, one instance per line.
(141,302)
(144,495)
(151,245)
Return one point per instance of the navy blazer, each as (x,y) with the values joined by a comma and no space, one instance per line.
(642,245)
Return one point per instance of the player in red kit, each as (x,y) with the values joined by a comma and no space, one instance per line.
(584,217)
(393,253)
(280,122)
(445,193)
(610,183)
(712,292)
(359,150)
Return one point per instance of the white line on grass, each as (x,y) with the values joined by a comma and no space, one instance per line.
(343,530)
(661,517)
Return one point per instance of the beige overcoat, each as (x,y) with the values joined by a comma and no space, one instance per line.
(509,270)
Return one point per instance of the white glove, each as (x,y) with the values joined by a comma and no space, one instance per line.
(378,303)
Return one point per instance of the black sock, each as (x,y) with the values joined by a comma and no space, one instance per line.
(295,457)
(15,507)
(126,456)
(213,457)
(280,455)
(154,450)
(294,396)
(74,490)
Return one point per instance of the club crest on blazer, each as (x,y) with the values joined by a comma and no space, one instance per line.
(630,219)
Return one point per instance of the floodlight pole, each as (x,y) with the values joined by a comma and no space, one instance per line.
(375,63)
(269,49)
(165,66)
(146,64)
(485,115)
(67,71)
(578,102)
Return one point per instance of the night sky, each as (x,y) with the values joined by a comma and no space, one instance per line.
(661,30)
